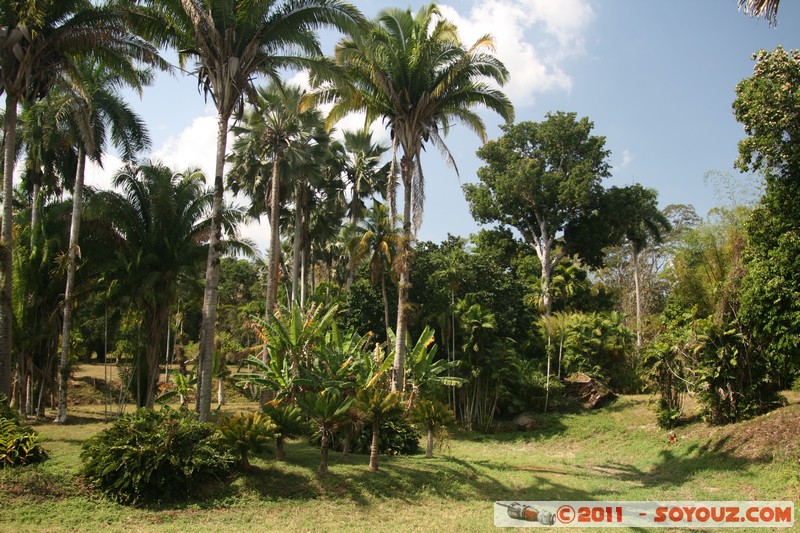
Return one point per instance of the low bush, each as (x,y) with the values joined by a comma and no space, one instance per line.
(247,435)
(398,436)
(20,444)
(153,456)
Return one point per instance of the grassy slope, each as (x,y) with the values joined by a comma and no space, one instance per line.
(613,454)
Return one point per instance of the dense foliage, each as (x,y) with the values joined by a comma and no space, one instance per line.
(154,456)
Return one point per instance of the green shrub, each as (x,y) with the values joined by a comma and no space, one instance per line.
(668,417)
(20,444)
(398,436)
(150,456)
(247,435)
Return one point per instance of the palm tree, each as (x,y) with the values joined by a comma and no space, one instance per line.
(376,239)
(432,415)
(413,72)
(767,9)
(328,411)
(233,41)
(91,106)
(642,224)
(276,135)
(38,40)
(365,174)
(161,226)
(376,404)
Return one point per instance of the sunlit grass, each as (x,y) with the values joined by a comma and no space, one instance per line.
(616,453)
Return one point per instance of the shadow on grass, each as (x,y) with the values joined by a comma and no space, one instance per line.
(678,466)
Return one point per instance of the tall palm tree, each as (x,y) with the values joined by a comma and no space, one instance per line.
(413,72)
(234,41)
(159,222)
(767,9)
(276,135)
(38,40)
(643,225)
(377,239)
(365,174)
(93,110)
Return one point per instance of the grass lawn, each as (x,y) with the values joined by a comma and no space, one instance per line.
(616,453)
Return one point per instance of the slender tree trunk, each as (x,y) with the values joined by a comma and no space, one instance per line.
(280,450)
(35,207)
(298,242)
(348,438)
(275,239)
(429,447)
(373,449)
(324,445)
(72,261)
(158,322)
(398,377)
(638,292)
(210,294)
(303,278)
(386,319)
(220,391)
(6,237)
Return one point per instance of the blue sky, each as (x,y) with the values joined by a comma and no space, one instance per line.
(657,78)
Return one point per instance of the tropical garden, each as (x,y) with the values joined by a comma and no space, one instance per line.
(350,337)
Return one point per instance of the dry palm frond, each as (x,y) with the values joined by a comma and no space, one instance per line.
(767,9)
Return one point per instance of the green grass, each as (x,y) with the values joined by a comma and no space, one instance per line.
(616,453)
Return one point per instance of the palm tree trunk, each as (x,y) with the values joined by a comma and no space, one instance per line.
(638,292)
(398,377)
(6,244)
(429,447)
(275,239)
(386,312)
(324,445)
(37,187)
(72,260)
(210,295)
(373,449)
(280,451)
(298,241)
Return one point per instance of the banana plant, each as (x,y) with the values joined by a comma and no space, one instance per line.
(424,370)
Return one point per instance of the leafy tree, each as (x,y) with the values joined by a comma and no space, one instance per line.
(769,109)
(544,180)
(39,40)
(413,72)
(232,42)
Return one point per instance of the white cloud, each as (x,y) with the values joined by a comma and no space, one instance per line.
(195,146)
(627,158)
(100,177)
(531,36)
